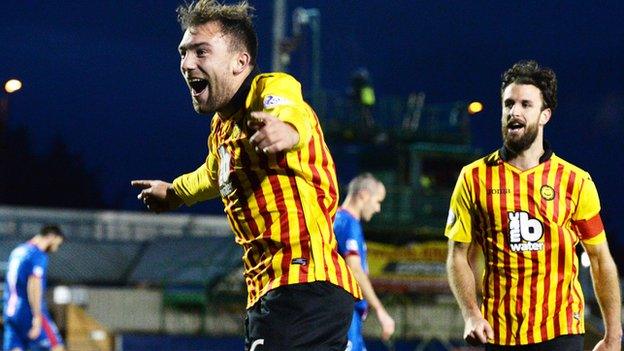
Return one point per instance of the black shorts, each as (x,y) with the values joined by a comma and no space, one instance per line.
(310,316)
(560,343)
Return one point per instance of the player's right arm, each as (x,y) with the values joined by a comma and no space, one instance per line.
(462,281)
(459,263)
(385,321)
(189,188)
(34,289)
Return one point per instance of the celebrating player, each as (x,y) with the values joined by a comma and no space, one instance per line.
(528,209)
(269,163)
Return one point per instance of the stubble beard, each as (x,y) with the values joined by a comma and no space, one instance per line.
(522,143)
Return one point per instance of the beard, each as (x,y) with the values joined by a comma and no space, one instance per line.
(520,143)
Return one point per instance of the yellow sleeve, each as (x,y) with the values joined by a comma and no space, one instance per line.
(199,185)
(588,202)
(281,96)
(459,221)
(586,217)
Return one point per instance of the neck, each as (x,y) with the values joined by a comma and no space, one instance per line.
(39,242)
(530,157)
(238,94)
(352,207)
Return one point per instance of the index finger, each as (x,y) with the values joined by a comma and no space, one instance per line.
(142,184)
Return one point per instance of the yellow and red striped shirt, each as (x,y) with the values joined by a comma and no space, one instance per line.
(528,224)
(280,206)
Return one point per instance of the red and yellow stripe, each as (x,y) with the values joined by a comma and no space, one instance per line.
(530,296)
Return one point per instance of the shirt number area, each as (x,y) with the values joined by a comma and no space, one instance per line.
(225,183)
(524,232)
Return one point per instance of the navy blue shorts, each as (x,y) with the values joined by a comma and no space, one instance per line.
(16,335)
(560,343)
(310,316)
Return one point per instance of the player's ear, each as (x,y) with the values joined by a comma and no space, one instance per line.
(242,61)
(545,116)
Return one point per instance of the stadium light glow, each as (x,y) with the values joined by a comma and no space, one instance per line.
(12,85)
(475,107)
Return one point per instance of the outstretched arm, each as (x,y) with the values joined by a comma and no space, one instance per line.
(606,285)
(157,195)
(387,323)
(462,281)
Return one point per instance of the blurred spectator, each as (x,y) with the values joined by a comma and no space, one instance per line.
(413,111)
(362,94)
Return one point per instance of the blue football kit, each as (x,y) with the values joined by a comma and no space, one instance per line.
(26,261)
(350,239)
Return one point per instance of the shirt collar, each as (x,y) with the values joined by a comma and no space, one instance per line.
(506,154)
(238,100)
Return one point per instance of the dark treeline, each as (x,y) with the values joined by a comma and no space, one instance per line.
(57,178)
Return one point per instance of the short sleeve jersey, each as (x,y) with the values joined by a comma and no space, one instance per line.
(25,261)
(528,224)
(350,237)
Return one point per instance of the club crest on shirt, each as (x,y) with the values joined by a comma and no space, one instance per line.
(547,192)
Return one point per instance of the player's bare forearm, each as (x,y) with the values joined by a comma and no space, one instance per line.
(34,290)
(462,279)
(354,262)
(607,289)
(385,320)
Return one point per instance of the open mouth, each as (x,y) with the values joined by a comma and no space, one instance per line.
(197,85)
(515,125)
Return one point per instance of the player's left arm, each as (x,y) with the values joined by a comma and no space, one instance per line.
(606,286)
(284,122)
(34,288)
(588,224)
(385,320)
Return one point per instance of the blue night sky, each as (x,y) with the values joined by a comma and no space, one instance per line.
(103,75)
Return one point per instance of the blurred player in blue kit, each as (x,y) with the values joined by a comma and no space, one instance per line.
(27,322)
(364,197)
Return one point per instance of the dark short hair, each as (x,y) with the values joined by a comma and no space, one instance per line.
(235,21)
(52,229)
(530,72)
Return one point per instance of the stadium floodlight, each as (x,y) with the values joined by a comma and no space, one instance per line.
(475,107)
(12,85)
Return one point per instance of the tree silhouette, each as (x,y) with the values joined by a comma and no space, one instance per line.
(55,179)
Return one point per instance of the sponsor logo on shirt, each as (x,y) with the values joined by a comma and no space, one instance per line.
(352,245)
(271,101)
(38,271)
(524,232)
(299,260)
(450,220)
(498,191)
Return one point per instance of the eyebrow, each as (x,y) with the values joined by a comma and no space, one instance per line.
(525,101)
(192,46)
